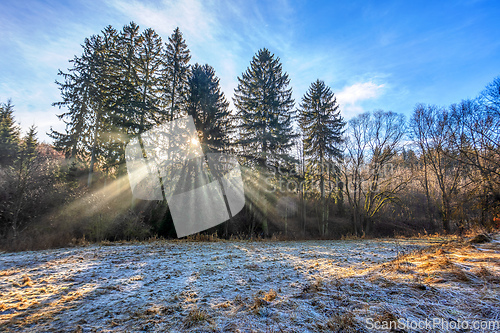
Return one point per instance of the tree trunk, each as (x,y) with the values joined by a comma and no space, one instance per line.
(427,194)
(303,210)
(93,152)
(446,214)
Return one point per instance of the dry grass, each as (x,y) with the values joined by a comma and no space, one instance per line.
(270,295)
(29,309)
(195,317)
(252,267)
(137,278)
(25,282)
(386,316)
(449,262)
(343,323)
(223,305)
(198,238)
(9,272)
(314,286)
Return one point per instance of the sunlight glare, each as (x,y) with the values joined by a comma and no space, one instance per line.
(194,141)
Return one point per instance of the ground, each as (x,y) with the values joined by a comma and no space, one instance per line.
(241,286)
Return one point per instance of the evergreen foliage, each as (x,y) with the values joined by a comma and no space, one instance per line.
(209,108)
(322,125)
(9,134)
(264,103)
(123,83)
(176,74)
(322,128)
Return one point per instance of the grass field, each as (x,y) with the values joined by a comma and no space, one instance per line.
(241,286)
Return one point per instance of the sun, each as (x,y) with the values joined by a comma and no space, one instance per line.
(194,141)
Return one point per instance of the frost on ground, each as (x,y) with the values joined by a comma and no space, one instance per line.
(310,286)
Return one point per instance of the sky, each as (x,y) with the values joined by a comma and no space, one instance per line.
(386,55)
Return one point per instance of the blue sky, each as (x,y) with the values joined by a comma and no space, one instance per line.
(373,54)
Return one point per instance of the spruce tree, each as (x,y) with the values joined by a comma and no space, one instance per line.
(9,134)
(209,108)
(322,127)
(176,75)
(265,109)
(321,123)
(87,94)
(138,103)
(150,61)
(24,170)
(128,111)
(265,112)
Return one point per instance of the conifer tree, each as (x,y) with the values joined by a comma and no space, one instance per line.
(209,108)
(86,94)
(76,94)
(128,114)
(138,103)
(322,126)
(149,68)
(265,108)
(321,122)
(9,134)
(176,75)
(112,138)
(264,103)
(24,169)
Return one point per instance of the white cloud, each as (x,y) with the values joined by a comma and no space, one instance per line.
(193,17)
(350,97)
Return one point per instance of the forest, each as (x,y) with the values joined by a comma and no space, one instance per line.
(308,172)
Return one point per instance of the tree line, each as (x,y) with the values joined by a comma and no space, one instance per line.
(376,174)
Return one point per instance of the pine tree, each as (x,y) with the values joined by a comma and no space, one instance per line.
(139,102)
(209,108)
(265,109)
(128,112)
(89,92)
(125,95)
(149,68)
(9,134)
(24,169)
(29,145)
(322,126)
(108,143)
(78,90)
(176,75)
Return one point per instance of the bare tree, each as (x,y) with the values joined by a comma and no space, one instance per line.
(372,143)
(432,130)
(476,137)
